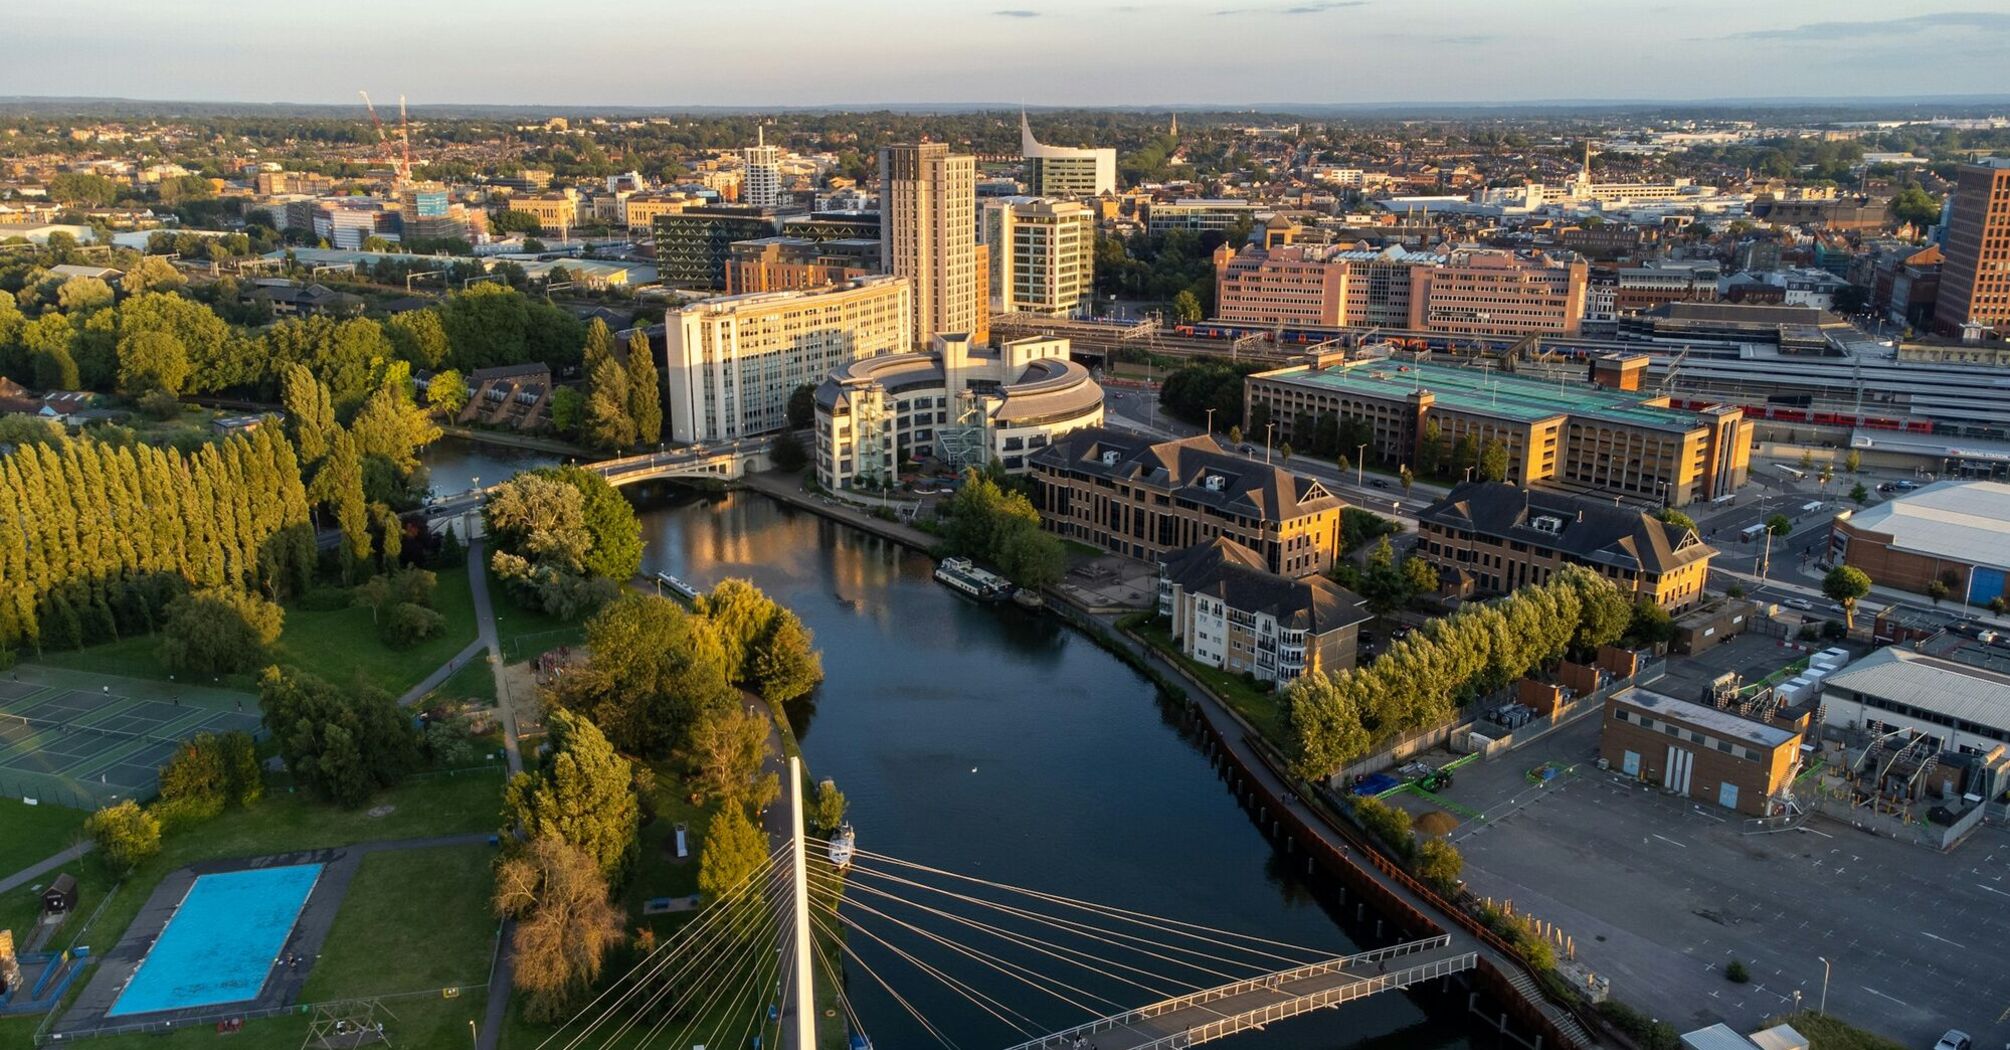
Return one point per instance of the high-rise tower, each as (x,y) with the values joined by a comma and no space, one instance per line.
(1975,276)
(762,184)
(928,234)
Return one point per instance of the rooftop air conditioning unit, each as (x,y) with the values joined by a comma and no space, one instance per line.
(1214,482)
(1549,523)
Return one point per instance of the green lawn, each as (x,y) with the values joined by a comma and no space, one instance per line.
(389,939)
(473,682)
(524,633)
(428,1023)
(339,645)
(30,833)
(1263,709)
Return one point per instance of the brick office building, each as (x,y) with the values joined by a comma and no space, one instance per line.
(1698,751)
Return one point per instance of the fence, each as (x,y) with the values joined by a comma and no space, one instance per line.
(199,1020)
(1490,739)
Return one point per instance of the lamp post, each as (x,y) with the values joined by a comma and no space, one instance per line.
(1210,422)
(1267,428)
(1824,1008)
(1360,453)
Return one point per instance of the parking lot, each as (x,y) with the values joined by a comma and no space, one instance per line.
(1662,894)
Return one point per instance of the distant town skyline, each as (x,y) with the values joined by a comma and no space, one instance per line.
(785,53)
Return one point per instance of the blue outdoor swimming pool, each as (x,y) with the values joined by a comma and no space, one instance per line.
(221,942)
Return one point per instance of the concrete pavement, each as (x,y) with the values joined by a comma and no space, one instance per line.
(485,619)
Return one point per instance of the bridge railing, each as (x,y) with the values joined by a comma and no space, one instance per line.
(1266,982)
(1305,1004)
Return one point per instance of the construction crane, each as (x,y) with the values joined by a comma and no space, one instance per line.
(405,141)
(402,169)
(376,122)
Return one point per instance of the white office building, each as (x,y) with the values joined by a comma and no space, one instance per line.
(1065,171)
(730,363)
(1042,255)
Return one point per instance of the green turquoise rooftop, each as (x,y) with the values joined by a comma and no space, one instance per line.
(1510,396)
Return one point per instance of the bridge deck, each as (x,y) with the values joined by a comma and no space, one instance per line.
(1190,1020)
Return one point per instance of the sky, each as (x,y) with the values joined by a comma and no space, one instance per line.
(1087,53)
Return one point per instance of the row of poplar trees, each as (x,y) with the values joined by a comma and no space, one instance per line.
(96,539)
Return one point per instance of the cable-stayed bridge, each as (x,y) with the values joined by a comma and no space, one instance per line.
(759,967)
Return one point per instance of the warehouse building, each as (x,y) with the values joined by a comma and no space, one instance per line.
(1954,532)
(1963,709)
(1698,751)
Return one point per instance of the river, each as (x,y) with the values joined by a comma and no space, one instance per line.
(1000,744)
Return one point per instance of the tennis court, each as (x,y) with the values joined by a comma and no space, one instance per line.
(79,739)
(224,938)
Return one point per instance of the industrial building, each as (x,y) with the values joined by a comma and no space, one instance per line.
(730,363)
(1698,751)
(956,404)
(1145,498)
(1491,538)
(1953,706)
(1579,436)
(1228,610)
(1953,532)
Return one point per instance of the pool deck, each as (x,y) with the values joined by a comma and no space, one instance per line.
(282,985)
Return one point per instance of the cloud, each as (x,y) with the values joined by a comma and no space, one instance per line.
(1983,21)
(1315,7)
(1017,12)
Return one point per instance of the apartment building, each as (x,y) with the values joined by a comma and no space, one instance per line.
(1645,287)
(1490,538)
(782,264)
(958,404)
(1041,255)
(1228,610)
(1974,290)
(556,212)
(1144,498)
(928,218)
(1471,292)
(730,363)
(761,182)
(1580,436)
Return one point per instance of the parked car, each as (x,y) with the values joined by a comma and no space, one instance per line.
(1799,603)
(1955,1039)
(1378,483)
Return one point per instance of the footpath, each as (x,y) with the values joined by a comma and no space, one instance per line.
(501,978)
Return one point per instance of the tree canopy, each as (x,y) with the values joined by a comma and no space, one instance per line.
(582,794)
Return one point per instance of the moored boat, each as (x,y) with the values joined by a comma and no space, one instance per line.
(961,574)
(844,843)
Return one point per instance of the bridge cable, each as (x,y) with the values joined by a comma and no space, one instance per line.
(1029,941)
(1090,932)
(744,923)
(844,1000)
(757,984)
(963,988)
(668,951)
(994,961)
(1110,911)
(748,960)
(847,950)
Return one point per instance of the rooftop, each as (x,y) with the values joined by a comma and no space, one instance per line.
(1493,392)
(1592,530)
(1227,570)
(1722,723)
(1966,521)
(1928,683)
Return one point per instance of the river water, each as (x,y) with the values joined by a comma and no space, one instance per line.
(999,744)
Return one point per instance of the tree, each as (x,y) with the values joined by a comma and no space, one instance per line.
(1438,863)
(81,295)
(1419,576)
(343,744)
(605,422)
(1651,624)
(216,360)
(1324,722)
(151,274)
(74,187)
(786,452)
(645,395)
(1853,461)
(1493,461)
(1431,449)
(568,408)
(310,416)
(1604,614)
(827,810)
(1914,206)
(1186,307)
(150,361)
(1676,518)
(339,485)
(1235,435)
(219,631)
(654,672)
(391,427)
(802,406)
(447,392)
(418,337)
(1859,494)
(565,924)
(583,794)
(1844,584)
(1937,590)
(1779,525)
(733,850)
(1284,452)
(1406,478)
(1807,459)
(726,752)
(126,835)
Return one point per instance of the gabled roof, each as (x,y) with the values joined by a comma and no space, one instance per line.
(1225,569)
(1194,469)
(1592,531)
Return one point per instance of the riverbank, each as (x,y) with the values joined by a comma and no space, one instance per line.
(788,488)
(510,439)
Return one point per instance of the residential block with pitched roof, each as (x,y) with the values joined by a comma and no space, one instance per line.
(1228,610)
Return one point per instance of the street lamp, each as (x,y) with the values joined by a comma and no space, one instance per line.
(1267,428)
(1360,455)
(1824,1008)
(1210,422)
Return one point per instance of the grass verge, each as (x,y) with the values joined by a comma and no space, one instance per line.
(1264,710)
(411,920)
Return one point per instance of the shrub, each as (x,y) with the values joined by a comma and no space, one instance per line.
(1643,1030)
(126,834)
(1385,822)
(1439,863)
(406,624)
(450,746)
(1736,973)
(219,631)
(159,404)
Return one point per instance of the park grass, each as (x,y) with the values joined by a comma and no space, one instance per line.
(422,1023)
(338,645)
(1264,710)
(30,833)
(388,939)
(474,681)
(523,632)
